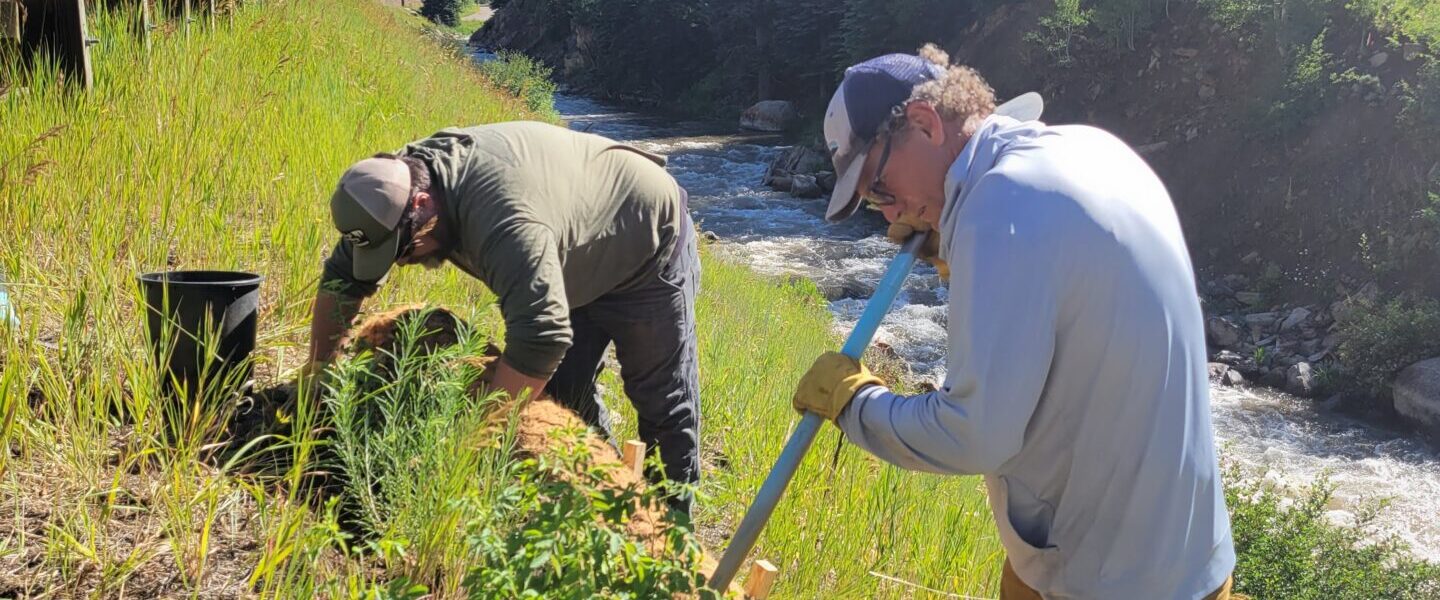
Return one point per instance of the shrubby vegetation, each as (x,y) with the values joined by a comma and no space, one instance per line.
(525,78)
(1287,548)
(443,12)
(1382,337)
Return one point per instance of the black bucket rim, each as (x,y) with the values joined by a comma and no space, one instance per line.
(220,278)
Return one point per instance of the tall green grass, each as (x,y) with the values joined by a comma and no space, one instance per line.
(844,519)
(217,149)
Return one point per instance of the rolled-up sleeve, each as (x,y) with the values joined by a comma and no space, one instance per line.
(1002,322)
(522,266)
(338,275)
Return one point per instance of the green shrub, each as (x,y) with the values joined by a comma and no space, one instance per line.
(1302,93)
(525,78)
(563,536)
(443,12)
(1382,338)
(1239,15)
(1413,19)
(1122,20)
(1059,29)
(423,465)
(1419,114)
(1291,551)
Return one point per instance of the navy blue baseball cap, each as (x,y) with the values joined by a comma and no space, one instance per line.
(862,103)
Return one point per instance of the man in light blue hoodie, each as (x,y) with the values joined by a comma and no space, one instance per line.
(1076,378)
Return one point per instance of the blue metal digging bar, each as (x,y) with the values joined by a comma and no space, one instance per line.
(800,441)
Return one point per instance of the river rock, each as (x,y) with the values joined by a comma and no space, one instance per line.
(1341,311)
(1261,321)
(1273,377)
(796,160)
(710,236)
(1228,357)
(826,179)
(804,186)
(1378,59)
(1299,379)
(1295,318)
(1222,374)
(1216,288)
(1222,332)
(768,115)
(1249,298)
(1417,395)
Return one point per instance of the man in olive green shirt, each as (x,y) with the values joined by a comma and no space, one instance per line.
(584,240)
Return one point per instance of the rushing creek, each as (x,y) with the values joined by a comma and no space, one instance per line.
(1286,440)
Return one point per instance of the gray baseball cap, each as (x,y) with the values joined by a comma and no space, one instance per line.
(864,101)
(367,207)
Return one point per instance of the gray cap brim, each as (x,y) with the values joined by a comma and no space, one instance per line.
(843,200)
(1025,107)
(372,263)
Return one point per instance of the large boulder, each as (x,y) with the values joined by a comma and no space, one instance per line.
(795,161)
(768,115)
(1223,333)
(804,186)
(1417,395)
(1295,318)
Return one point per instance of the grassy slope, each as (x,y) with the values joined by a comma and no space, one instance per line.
(218,150)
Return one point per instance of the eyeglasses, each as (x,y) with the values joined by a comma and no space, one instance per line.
(406,230)
(877,196)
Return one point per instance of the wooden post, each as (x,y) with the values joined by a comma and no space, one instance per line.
(58,27)
(147,21)
(761,579)
(9,19)
(635,456)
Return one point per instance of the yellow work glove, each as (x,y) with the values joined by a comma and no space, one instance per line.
(902,229)
(830,384)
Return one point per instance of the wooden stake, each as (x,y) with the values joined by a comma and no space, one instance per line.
(762,577)
(635,456)
(9,19)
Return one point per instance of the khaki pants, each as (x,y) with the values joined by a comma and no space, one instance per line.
(1011,588)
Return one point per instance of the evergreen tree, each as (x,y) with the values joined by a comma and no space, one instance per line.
(444,12)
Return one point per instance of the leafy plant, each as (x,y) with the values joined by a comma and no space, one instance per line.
(1419,114)
(1384,337)
(563,535)
(1288,549)
(1123,20)
(1302,93)
(524,78)
(1059,29)
(443,12)
(1261,356)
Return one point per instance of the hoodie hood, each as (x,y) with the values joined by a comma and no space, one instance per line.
(996,135)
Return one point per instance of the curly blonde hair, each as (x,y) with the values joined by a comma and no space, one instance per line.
(960,95)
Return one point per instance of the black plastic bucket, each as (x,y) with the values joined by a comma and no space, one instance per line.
(213,318)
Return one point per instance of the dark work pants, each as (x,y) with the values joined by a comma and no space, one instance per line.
(653,328)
